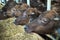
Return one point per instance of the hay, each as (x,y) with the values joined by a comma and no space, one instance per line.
(10,31)
(1,5)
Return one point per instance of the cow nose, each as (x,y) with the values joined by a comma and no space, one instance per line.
(15,23)
(25,28)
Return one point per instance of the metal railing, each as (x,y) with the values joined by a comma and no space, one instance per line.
(3,2)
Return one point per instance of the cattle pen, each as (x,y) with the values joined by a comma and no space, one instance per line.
(29,19)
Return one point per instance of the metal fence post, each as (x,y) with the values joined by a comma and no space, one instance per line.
(48,5)
(28,2)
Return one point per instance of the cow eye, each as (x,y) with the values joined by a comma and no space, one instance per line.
(44,20)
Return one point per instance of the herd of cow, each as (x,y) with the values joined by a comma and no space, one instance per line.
(36,18)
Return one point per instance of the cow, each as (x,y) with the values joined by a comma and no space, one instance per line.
(27,16)
(43,25)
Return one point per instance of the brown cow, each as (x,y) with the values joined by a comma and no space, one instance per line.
(43,24)
(6,10)
(16,10)
(9,5)
(39,4)
(27,15)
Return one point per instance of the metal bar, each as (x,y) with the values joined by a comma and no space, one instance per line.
(28,2)
(20,1)
(0,1)
(16,1)
(48,5)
